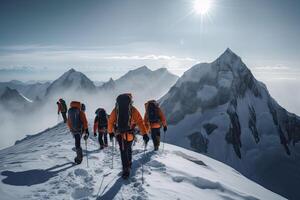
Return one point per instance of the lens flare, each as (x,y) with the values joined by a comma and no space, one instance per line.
(202,7)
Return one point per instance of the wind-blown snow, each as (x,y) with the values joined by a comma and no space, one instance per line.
(40,167)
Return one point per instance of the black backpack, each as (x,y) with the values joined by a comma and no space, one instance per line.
(153,112)
(123,111)
(74,117)
(102,118)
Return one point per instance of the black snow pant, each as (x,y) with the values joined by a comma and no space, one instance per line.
(77,137)
(155,135)
(64,115)
(126,152)
(102,138)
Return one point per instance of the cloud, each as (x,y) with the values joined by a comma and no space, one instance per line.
(271,68)
(150,57)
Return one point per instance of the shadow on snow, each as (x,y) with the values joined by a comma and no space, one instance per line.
(113,191)
(34,176)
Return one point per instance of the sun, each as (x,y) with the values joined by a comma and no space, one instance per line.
(202,7)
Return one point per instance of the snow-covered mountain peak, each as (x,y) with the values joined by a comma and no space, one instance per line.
(219,108)
(72,70)
(144,70)
(109,85)
(71,79)
(41,167)
(228,54)
(12,95)
(12,100)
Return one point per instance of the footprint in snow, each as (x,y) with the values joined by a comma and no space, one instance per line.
(81,172)
(157,166)
(81,192)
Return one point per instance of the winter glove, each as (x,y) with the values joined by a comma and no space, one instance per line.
(86,135)
(95,134)
(165,128)
(146,138)
(111,136)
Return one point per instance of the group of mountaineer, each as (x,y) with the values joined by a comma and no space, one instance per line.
(120,124)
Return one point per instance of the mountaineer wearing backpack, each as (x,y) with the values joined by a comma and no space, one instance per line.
(120,125)
(78,125)
(100,125)
(154,118)
(62,108)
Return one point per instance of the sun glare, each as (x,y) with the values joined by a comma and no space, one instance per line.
(202,6)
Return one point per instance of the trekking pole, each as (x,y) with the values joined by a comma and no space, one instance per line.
(87,159)
(112,153)
(163,147)
(145,147)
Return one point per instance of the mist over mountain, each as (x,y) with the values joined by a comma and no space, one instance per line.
(13,101)
(221,110)
(71,81)
(30,90)
(143,83)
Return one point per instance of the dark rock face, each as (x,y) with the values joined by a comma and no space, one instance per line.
(198,142)
(233,135)
(252,123)
(209,128)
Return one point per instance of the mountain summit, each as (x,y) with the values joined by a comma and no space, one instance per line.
(220,109)
(70,80)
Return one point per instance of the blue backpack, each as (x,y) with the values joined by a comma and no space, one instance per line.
(74,117)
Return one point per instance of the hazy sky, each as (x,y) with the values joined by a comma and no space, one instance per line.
(107,37)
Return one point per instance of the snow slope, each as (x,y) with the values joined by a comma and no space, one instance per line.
(220,109)
(40,167)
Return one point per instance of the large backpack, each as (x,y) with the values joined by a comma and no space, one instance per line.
(102,118)
(74,117)
(153,112)
(123,110)
(64,107)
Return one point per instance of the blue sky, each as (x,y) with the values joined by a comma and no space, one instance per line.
(108,37)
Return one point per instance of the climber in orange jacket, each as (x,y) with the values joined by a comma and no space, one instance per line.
(121,124)
(154,118)
(78,125)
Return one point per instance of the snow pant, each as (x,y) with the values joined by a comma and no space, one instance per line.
(77,137)
(126,152)
(155,135)
(64,115)
(102,138)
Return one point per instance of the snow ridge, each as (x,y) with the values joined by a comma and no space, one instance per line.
(40,167)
